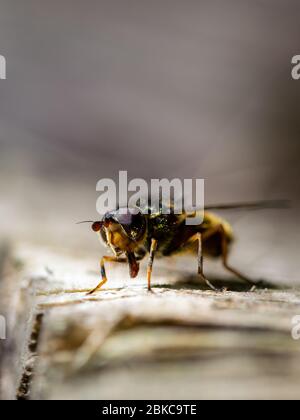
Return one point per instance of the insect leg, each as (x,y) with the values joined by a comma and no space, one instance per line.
(198,237)
(150,262)
(225,259)
(224,248)
(103,272)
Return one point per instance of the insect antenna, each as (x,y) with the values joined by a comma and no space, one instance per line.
(85,221)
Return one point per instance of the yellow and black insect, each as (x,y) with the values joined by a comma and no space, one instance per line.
(133,235)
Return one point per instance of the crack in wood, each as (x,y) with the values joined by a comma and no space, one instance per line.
(23,392)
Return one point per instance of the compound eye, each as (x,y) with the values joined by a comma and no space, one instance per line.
(96,226)
(132,222)
(124,217)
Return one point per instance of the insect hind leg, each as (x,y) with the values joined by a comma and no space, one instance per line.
(224,254)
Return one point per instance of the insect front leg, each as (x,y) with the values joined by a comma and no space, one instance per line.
(198,237)
(150,262)
(103,272)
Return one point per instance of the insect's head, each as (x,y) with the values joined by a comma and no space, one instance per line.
(122,229)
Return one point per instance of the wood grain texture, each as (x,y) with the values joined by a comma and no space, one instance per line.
(179,341)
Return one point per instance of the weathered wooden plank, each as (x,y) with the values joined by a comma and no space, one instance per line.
(152,346)
(179,341)
(17,306)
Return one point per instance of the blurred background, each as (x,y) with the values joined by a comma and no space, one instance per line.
(195,88)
